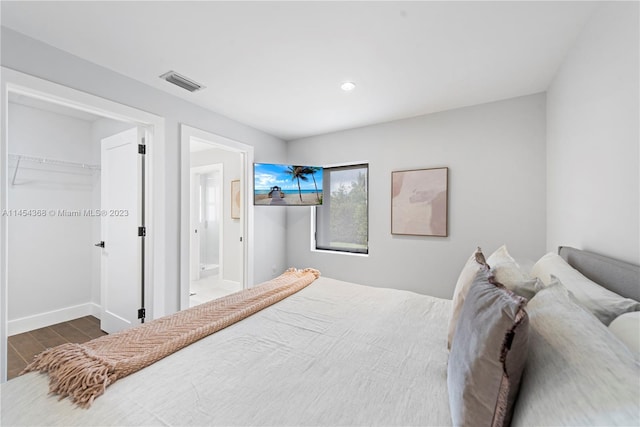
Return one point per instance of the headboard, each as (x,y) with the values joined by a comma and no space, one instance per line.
(618,276)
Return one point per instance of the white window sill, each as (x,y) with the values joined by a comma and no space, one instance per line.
(326,251)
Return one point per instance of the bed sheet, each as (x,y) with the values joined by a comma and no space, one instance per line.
(335,353)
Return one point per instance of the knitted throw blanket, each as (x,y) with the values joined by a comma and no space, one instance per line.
(84,371)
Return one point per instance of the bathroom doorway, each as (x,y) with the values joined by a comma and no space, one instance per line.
(216,244)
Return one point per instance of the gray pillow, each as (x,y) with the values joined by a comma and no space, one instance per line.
(577,372)
(488,354)
(603,303)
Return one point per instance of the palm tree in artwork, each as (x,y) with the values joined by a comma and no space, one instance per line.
(298,173)
(311,170)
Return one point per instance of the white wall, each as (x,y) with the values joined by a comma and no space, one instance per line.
(593,186)
(496,158)
(49,257)
(32,57)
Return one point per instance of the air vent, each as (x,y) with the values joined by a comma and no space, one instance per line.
(182,81)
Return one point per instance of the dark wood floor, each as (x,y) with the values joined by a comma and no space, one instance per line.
(22,347)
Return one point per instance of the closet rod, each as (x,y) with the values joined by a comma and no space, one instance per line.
(54,162)
(42,160)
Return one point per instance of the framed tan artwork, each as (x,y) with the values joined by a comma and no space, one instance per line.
(419,201)
(235,199)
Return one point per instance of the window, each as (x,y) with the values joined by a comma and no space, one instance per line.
(342,222)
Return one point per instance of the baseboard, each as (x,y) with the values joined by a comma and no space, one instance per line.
(29,323)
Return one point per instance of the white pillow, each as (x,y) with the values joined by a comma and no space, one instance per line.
(577,372)
(475,262)
(603,303)
(627,328)
(506,271)
(504,268)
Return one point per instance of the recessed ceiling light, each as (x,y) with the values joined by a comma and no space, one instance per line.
(348,86)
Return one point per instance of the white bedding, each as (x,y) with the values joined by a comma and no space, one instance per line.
(335,353)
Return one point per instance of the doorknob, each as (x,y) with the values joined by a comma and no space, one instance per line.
(100,244)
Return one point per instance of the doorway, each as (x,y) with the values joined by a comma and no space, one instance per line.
(216,247)
(62,180)
(53,175)
(216,236)
(208,234)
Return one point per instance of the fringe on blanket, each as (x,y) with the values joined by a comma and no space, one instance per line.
(75,372)
(82,372)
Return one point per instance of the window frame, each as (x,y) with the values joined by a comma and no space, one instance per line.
(313,217)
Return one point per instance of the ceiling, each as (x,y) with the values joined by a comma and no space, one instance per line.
(278,66)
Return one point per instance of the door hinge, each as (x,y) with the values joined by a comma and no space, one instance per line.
(142,231)
(142,149)
(142,313)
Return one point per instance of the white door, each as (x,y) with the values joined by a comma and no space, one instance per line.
(122,169)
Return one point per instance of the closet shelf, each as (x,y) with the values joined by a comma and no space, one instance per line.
(19,158)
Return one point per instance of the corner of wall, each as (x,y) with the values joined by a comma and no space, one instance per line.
(593,195)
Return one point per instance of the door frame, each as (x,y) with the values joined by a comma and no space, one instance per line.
(199,170)
(187,133)
(25,84)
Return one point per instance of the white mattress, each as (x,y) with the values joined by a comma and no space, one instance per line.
(335,353)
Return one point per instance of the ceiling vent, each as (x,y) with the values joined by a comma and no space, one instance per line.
(182,81)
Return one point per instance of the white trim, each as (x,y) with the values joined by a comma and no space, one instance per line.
(340,165)
(37,321)
(246,151)
(155,253)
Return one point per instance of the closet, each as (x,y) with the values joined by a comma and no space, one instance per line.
(54,193)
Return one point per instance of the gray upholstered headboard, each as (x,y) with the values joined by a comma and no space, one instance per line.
(620,277)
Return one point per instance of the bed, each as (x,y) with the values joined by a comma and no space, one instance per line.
(338,353)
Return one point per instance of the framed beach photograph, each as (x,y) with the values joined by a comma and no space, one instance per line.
(235,199)
(419,201)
